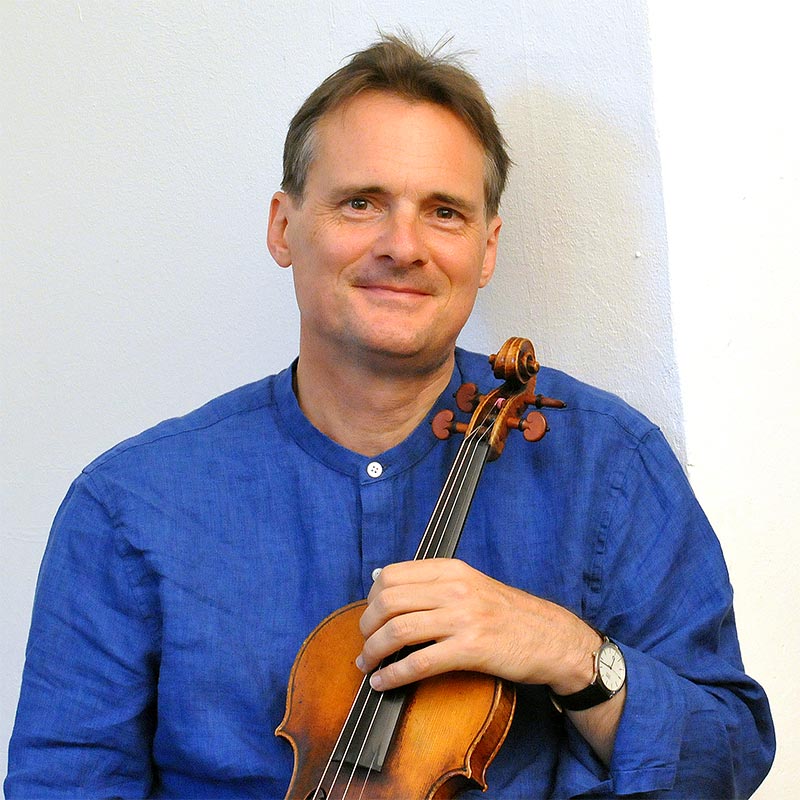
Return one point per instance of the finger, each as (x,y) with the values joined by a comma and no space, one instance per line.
(403,598)
(433,659)
(406,630)
(410,572)
(396,601)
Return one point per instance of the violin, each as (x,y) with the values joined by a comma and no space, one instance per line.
(435,738)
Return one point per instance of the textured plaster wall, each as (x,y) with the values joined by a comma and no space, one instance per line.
(140,146)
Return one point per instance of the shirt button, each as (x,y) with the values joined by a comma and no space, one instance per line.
(374,469)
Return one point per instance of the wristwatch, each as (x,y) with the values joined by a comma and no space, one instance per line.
(609,678)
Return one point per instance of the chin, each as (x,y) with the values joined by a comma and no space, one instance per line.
(405,354)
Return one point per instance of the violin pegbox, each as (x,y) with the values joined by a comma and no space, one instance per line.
(503,408)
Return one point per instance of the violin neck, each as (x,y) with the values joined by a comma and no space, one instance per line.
(450,513)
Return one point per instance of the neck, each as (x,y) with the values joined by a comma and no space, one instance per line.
(368,409)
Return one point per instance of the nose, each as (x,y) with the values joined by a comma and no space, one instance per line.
(403,238)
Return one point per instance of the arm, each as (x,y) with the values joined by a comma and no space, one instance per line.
(86,713)
(691,722)
(481,624)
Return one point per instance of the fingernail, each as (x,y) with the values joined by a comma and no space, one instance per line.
(360,662)
(376,682)
(377,571)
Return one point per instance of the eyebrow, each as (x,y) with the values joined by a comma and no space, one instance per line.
(456,201)
(348,190)
(355,190)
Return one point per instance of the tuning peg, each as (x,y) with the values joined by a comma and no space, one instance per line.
(444,425)
(468,397)
(540,401)
(534,426)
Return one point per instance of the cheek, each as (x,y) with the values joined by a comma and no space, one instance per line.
(460,257)
(330,250)
(319,278)
(466,273)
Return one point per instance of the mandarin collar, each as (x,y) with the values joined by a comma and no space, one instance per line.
(393,461)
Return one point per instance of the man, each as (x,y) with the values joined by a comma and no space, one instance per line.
(187,565)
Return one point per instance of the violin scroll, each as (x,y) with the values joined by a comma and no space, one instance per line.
(515,361)
(503,408)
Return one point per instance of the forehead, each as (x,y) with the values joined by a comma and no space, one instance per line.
(379,134)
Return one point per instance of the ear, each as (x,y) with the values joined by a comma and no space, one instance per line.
(276,229)
(490,256)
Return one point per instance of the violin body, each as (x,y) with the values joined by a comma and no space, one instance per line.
(451,728)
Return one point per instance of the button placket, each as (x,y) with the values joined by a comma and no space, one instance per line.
(377,521)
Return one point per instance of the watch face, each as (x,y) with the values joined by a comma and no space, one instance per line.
(611,667)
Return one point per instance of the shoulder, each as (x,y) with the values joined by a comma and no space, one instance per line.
(587,408)
(204,428)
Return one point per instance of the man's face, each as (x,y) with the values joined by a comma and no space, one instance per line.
(390,242)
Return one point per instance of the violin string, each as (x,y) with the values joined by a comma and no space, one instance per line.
(453,479)
(464,460)
(477,438)
(443,542)
(361,751)
(339,738)
(367,776)
(444,508)
(353,745)
(348,749)
(370,692)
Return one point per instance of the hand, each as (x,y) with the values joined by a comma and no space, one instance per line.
(471,622)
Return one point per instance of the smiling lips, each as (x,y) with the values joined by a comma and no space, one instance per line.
(391,289)
(392,292)
(393,283)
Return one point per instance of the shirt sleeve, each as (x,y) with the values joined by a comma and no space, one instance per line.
(85,719)
(694,724)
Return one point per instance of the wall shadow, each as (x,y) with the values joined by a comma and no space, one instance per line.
(583,269)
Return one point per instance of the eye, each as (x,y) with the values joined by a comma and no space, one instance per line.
(443,212)
(358,203)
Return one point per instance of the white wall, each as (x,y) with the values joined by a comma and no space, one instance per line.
(140,148)
(727,113)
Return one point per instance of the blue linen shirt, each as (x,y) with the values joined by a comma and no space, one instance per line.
(186,566)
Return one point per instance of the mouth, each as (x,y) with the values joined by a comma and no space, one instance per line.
(389,292)
(391,286)
(392,289)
